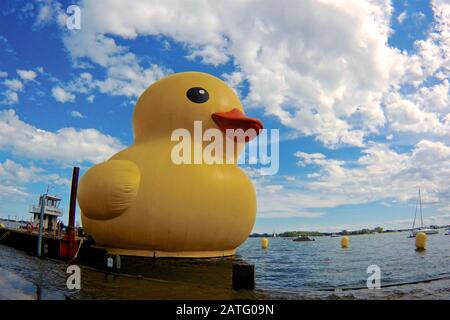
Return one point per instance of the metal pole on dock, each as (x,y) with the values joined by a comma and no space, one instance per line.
(71,244)
(41,223)
(73,202)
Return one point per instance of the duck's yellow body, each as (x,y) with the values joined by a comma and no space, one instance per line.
(141,203)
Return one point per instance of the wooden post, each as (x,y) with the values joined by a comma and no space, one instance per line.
(243,276)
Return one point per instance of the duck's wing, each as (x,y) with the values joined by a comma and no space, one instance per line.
(108,189)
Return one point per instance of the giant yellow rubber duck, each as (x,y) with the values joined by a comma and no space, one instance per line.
(141,203)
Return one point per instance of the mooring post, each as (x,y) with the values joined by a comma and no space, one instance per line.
(68,246)
(41,224)
(243,276)
(70,235)
(73,200)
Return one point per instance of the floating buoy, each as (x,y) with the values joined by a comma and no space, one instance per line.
(421,241)
(345,242)
(264,243)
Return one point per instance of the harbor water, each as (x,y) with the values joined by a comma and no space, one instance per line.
(318,269)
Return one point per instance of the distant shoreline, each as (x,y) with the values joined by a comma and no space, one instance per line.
(290,234)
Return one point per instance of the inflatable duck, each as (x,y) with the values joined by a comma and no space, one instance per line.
(140,202)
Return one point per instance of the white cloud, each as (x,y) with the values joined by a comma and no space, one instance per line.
(13,84)
(289,203)
(11,191)
(323,68)
(48,11)
(234,80)
(83,84)
(76,114)
(431,56)
(313,66)
(282,198)
(67,145)
(90,98)
(406,116)
(14,173)
(434,98)
(61,95)
(14,176)
(383,174)
(11,97)
(125,75)
(401,17)
(273,188)
(26,75)
(27,7)
(308,158)
(3,74)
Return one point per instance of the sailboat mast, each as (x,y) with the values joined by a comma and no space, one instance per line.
(420,204)
(415,215)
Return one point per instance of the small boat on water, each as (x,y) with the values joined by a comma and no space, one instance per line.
(414,230)
(424,230)
(52,213)
(303,238)
(334,235)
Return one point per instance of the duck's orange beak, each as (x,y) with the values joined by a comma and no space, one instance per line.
(236,119)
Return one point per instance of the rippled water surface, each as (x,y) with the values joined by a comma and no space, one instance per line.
(287,269)
(323,263)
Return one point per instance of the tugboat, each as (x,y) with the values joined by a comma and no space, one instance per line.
(303,238)
(52,212)
(56,241)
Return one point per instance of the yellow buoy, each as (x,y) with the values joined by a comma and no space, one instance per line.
(345,242)
(264,243)
(421,241)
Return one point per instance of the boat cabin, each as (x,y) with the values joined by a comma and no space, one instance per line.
(51,212)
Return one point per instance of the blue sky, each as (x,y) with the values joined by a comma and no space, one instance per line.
(359,92)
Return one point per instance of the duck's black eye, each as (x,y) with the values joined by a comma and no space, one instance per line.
(197,95)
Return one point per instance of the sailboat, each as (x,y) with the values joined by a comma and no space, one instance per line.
(414,230)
